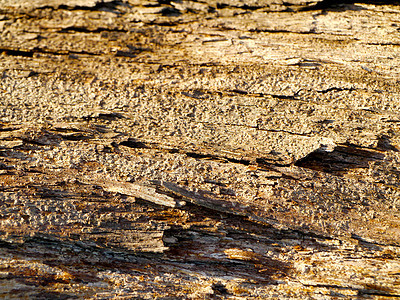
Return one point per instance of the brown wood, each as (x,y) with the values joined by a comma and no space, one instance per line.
(199,149)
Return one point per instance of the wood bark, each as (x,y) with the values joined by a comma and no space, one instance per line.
(199,149)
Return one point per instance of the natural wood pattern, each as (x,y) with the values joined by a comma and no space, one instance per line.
(199,149)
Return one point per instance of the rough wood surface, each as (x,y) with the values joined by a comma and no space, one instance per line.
(199,149)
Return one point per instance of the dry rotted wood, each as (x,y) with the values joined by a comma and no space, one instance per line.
(198,149)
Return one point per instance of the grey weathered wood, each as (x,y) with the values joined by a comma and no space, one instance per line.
(138,191)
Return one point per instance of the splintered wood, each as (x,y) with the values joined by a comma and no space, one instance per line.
(139,191)
(199,149)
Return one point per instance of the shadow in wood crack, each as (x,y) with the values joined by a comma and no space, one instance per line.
(347,4)
(220,244)
(52,295)
(341,160)
(111,6)
(207,255)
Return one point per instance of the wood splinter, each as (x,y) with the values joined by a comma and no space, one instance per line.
(138,191)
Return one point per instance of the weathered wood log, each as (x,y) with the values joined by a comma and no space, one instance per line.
(199,149)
